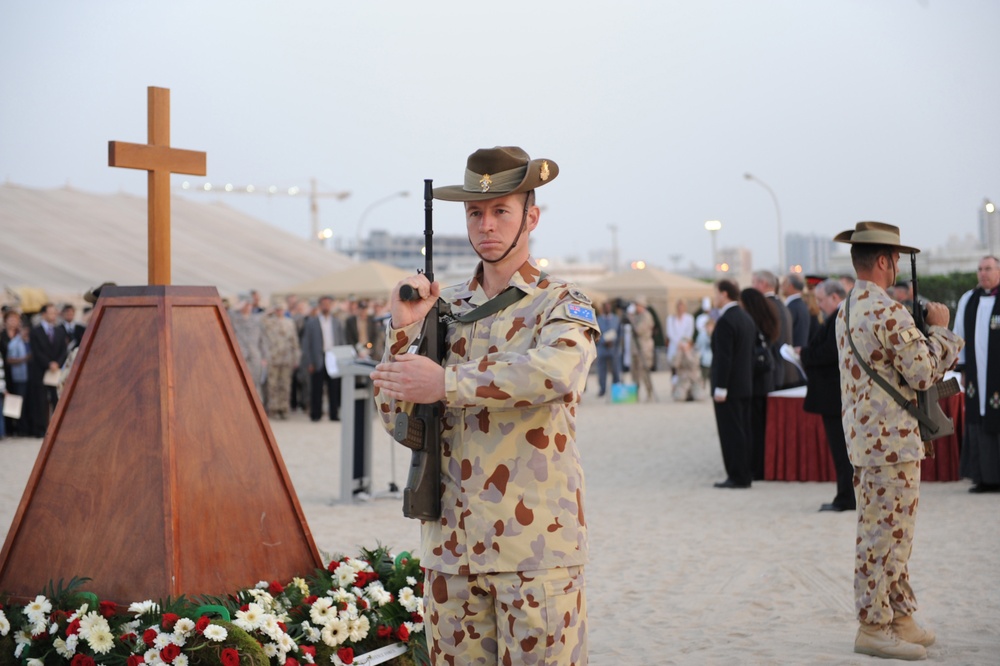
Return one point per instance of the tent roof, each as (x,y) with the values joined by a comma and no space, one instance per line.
(651,279)
(67,241)
(368,279)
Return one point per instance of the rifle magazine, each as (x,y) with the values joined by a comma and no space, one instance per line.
(409,431)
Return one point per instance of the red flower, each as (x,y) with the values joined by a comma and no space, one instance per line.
(291,662)
(284,627)
(135,660)
(403,633)
(308,649)
(310,600)
(202,624)
(230,657)
(332,567)
(275,588)
(73,627)
(346,655)
(384,631)
(107,609)
(416,618)
(81,660)
(245,607)
(169,620)
(169,653)
(127,638)
(149,636)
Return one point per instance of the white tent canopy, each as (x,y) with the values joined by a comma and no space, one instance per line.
(368,279)
(661,289)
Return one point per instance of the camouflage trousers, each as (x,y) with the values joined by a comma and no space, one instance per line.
(535,618)
(279,388)
(887,513)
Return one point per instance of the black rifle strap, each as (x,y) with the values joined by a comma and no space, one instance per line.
(924,419)
(505,298)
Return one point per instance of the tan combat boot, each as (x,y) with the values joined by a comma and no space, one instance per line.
(906,628)
(881,642)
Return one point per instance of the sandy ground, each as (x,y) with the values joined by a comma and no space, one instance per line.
(681,572)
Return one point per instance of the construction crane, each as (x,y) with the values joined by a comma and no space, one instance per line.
(274,191)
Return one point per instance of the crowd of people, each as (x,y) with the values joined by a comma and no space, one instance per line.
(284,346)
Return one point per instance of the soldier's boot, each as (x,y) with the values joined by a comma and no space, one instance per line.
(907,629)
(879,641)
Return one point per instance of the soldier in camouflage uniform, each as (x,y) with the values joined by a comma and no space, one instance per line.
(283,347)
(884,439)
(250,335)
(505,561)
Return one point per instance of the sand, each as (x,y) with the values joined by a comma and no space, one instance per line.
(681,572)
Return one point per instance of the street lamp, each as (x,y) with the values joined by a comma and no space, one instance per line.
(713,226)
(777,209)
(364,214)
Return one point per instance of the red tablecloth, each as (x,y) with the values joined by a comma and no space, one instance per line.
(795,447)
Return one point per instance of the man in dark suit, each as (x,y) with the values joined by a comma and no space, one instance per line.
(732,384)
(319,335)
(785,373)
(820,360)
(74,331)
(362,331)
(48,353)
(791,289)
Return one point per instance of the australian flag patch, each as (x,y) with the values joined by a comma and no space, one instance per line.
(580,312)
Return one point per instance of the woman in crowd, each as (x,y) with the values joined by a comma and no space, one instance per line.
(765,317)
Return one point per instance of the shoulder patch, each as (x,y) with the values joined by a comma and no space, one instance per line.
(579,295)
(908,335)
(581,312)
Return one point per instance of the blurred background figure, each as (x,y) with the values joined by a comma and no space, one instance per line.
(680,326)
(609,347)
(249,330)
(767,329)
(686,364)
(283,348)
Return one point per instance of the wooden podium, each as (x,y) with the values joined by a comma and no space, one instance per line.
(159,474)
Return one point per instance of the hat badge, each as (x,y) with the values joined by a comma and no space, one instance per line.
(485,182)
(543,173)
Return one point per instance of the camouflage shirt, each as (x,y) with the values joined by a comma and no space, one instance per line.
(880,432)
(511,476)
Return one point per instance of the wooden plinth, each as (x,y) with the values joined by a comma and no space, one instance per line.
(159,474)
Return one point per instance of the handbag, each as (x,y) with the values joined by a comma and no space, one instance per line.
(763,360)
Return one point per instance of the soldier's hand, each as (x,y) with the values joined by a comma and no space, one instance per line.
(411,378)
(405,313)
(937,314)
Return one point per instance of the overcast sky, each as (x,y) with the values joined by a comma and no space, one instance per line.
(848,109)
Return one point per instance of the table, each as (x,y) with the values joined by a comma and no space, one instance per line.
(795,446)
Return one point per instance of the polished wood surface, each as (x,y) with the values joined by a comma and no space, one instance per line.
(160,160)
(159,474)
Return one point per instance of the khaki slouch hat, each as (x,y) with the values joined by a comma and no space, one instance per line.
(491,173)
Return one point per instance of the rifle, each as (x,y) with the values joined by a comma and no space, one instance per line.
(928,401)
(421,431)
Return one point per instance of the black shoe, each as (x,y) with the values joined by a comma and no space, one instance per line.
(985,488)
(729,483)
(835,507)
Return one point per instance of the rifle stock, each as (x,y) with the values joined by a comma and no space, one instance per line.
(421,430)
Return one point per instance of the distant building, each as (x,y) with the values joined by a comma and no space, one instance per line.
(406,252)
(809,251)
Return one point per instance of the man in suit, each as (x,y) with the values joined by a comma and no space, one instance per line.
(791,289)
(363,332)
(74,331)
(48,353)
(819,358)
(785,374)
(732,384)
(321,334)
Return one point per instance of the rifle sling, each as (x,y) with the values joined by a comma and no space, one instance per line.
(923,418)
(504,299)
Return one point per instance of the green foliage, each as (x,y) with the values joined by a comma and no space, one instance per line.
(251,652)
(945,289)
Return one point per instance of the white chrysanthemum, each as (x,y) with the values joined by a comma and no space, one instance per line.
(38,628)
(271,650)
(22,637)
(72,642)
(80,612)
(53,628)
(310,632)
(378,594)
(358,629)
(4,624)
(249,620)
(261,585)
(163,640)
(345,576)
(18,650)
(358,565)
(143,607)
(101,640)
(301,584)
(335,632)
(269,625)
(60,646)
(214,632)
(408,599)
(40,606)
(410,580)
(342,596)
(322,611)
(286,644)
(35,662)
(152,656)
(92,621)
(184,626)
(180,660)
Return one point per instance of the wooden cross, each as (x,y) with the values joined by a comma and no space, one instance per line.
(160,160)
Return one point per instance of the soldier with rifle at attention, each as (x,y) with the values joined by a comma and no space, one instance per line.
(505,556)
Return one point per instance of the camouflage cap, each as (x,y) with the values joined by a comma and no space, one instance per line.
(491,173)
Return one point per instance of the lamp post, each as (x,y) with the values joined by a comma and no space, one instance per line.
(988,227)
(713,226)
(777,209)
(614,247)
(364,214)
